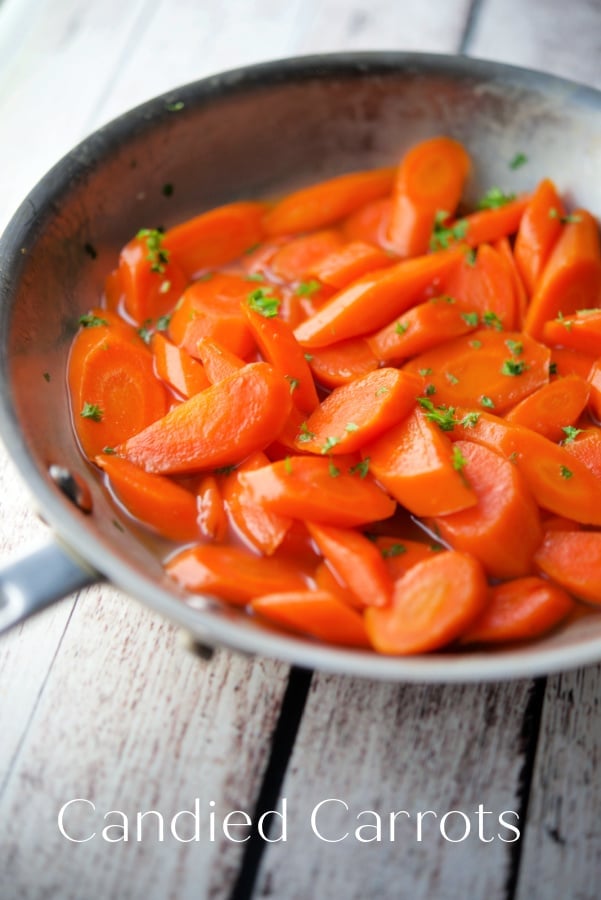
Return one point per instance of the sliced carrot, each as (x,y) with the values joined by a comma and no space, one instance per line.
(553,407)
(581,332)
(594,380)
(569,362)
(113,290)
(218,427)
(210,308)
(356,560)
(358,412)
(433,604)
(263,529)
(234,574)
(539,230)
(321,614)
(370,223)
(326,579)
(413,460)
(215,237)
(345,265)
(485,286)
(519,610)
(486,368)
(275,339)
(586,447)
(217,360)
(421,328)
(376,298)
(400,554)
(212,518)
(113,389)
(297,258)
(489,225)
(151,282)
(310,488)
(503,530)
(323,204)
(571,278)
(503,247)
(340,363)
(573,560)
(177,368)
(158,502)
(430,179)
(559,482)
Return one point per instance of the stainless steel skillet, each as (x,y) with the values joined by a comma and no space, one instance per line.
(247,133)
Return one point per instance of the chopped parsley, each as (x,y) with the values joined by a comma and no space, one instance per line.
(109,451)
(519,160)
(361,468)
(225,470)
(470,256)
(571,434)
(515,347)
(145,331)
(333,470)
(288,465)
(308,356)
(165,287)
(495,198)
(452,379)
(401,327)
(487,402)
(262,302)
(91,411)
(176,106)
(470,318)
(443,236)
(89,320)
(444,416)
(163,322)
(255,276)
(458,459)
(294,383)
(429,390)
(305,435)
(351,426)
(157,255)
(513,367)
(307,288)
(565,472)
(476,344)
(565,220)
(330,442)
(424,372)
(563,321)
(393,550)
(491,320)
(382,390)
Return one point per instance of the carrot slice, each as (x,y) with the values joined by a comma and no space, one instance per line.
(310,488)
(212,518)
(420,329)
(573,560)
(151,283)
(215,237)
(503,247)
(586,447)
(553,407)
(376,298)
(594,380)
(357,561)
(503,530)
(217,360)
(519,610)
(571,279)
(486,368)
(429,180)
(485,286)
(340,363)
(158,502)
(320,205)
(345,265)
(275,339)
(113,389)
(210,308)
(569,362)
(581,332)
(400,554)
(413,461)
(370,223)
(263,529)
(297,258)
(433,604)
(175,367)
(218,427)
(539,230)
(321,614)
(234,574)
(358,412)
(489,225)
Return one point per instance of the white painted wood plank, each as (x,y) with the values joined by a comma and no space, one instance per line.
(551,35)
(561,856)
(384,748)
(131,721)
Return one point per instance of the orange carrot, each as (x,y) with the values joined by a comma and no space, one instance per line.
(413,460)
(503,530)
(370,223)
(212,518)
(215,237)
(217,360)
(573,560)
(581,332)
(594,380)
(553,407)
(400,554)
(297,258)
(345,265)
(341,363)
(233,574)
(539,230)
(485,286)
(487,368)
(376,298)
(357,561)
(503,247)
(519,610)
(571,278)
(176,368)
(218,427)
(433,604)
(151,282)
(489,225)
(323,204)
(321,614)
(429,181)
(569,362)
(312,488)
(358,412)
(210,308)
(158,502)
(275,339)
(264,530)
(421,328)
(586,447)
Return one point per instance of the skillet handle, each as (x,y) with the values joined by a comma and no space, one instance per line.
(37,579)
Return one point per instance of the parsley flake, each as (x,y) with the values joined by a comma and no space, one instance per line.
(163,322)
(165,287)
(443,236)
(519,160)
(401,327)
(305,435)
(565,472)
(495,198)
(452,379)
(288,465)
(92,321)
(487,401)
(294,383)
(513,367)
(255,276)
(333,470)
(307,288)
(393,550)
(157,255)
(262,302)
(109,451)
(429,390)
(308,356)
(470,318)
(476,344)
(565,220)
(424,372)
(330,442)
(515,347)
(91,411)
(470,257)
(177,106)
(351,426)
(225,470)
(571,434)
(458,459)
(361,468)
(491,320)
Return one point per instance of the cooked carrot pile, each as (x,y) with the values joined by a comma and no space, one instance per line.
(368,412)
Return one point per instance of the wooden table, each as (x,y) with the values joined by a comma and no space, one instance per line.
(99,700)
